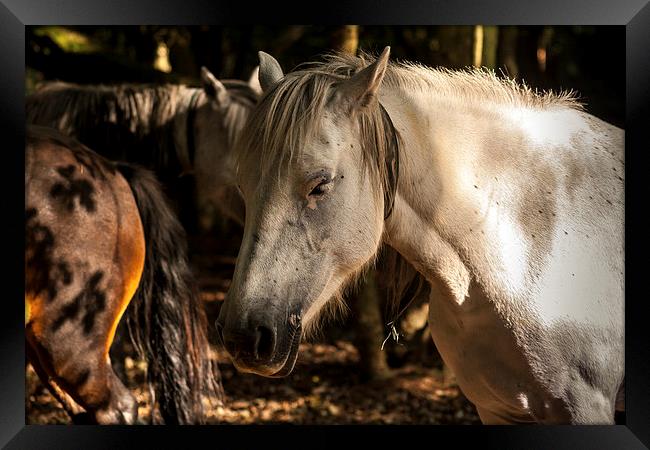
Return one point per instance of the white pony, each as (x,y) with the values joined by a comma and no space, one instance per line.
(509,203)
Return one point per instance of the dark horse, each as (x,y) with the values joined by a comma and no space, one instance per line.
(100,235)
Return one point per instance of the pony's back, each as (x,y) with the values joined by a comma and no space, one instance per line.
(121,122)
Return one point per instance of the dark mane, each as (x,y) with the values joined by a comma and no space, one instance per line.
(123,122)
(130,122)
(241,92)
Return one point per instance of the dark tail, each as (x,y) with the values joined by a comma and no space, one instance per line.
(166,320)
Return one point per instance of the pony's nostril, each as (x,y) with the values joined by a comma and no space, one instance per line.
(264,343)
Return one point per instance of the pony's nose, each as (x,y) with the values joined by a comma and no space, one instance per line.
(264,343)
(254,342)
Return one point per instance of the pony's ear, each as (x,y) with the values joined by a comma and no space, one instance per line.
(270,71)
(254,80)
(214,88)
(362,87)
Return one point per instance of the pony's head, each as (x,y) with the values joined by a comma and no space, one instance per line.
(313,172)
(217,122)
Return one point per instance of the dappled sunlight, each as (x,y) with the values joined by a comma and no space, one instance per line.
(323,389)
(162,58)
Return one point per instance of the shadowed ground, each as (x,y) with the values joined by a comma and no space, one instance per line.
(323,389)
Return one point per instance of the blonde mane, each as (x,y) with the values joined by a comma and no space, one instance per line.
(477,86)
(290,113)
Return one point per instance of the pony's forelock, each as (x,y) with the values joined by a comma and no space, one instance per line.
(291,114)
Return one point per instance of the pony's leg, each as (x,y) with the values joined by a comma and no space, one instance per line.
(92,384)
(123,407)
(107,397)
(86,376)
(119,351)
(589,406)
(69,405)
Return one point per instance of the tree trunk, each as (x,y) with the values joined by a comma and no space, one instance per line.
(244,50)
(490,45)
(527,45)
(507,51)
(346,39)
(369,330)
(485,46)
(455,46)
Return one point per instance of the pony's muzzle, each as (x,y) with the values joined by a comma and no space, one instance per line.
(251,343)
(261,343)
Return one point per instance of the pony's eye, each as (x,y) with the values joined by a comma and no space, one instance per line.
(321,188)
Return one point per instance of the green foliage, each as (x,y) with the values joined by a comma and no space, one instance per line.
(69,40)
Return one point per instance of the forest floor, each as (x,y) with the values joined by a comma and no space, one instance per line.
(325,387)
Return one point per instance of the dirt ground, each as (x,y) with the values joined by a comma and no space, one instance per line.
(324,388)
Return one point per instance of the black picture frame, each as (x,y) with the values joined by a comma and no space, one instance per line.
(634,15)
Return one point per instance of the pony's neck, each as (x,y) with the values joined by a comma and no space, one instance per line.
(417,228)
(463,170)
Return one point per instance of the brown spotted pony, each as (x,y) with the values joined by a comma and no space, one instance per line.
(100,237)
